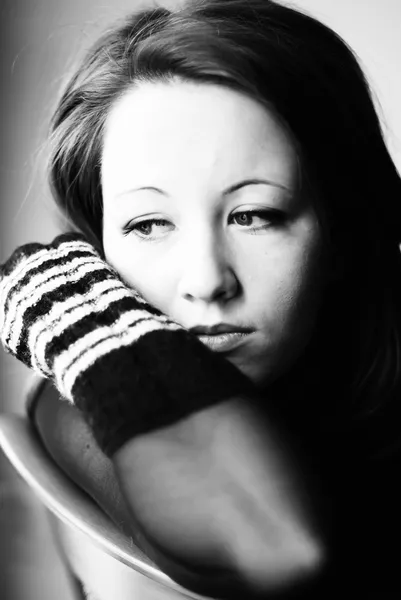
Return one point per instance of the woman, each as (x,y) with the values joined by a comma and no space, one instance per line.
(227,162)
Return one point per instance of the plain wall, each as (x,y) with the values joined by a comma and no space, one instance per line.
(41,40)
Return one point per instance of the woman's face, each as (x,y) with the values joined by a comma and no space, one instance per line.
(202,216)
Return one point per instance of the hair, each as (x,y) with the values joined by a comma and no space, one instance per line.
(307,74)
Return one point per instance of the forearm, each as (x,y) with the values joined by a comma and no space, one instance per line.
(69,440)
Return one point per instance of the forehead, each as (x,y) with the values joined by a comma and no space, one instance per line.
(208,132)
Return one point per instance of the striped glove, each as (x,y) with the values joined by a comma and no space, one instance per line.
(67,314)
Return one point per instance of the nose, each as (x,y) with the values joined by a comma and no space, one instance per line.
(207,273)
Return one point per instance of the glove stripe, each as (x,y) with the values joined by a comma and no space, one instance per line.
(64,314)
(68,291)
(23,263)
(36,276)
(39,288)
(35,262)
(79,357)
(118,326)
(94,321)
(76,293)
(55,263)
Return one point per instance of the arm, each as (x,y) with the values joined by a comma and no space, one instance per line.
(218,485)
(205,480)
(69,440)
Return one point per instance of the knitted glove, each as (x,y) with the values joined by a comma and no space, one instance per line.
(67,314)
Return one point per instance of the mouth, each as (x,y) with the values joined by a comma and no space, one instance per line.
(224,342)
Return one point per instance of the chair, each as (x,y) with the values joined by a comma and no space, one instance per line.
(98,554)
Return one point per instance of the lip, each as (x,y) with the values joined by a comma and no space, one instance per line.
(219,328)
(224,342)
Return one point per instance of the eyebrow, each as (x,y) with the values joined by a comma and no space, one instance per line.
(230,190)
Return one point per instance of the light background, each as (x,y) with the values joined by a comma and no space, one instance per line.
(40,42)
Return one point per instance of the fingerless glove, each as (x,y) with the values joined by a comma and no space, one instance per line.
(67,314)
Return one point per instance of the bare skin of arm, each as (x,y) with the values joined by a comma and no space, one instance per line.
(210,499)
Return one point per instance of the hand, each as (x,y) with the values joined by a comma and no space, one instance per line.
(216,494)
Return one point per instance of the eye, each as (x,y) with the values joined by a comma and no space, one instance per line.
(257,219)
(148,228)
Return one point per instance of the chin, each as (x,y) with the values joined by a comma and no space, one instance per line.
(264,371)
(260,375)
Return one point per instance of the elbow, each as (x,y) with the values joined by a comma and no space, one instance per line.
(292,564)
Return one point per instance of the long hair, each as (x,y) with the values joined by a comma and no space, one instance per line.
(306,73)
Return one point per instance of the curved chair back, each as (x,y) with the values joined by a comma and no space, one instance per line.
(102,558)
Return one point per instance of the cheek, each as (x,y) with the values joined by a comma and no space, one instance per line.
(287,289)
(150,277)
(284,295)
